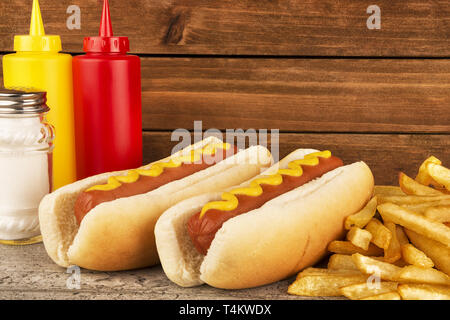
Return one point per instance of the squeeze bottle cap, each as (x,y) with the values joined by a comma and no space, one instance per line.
(37,40)
(106,42)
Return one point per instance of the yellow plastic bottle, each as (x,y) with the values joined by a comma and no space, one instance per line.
(37,65)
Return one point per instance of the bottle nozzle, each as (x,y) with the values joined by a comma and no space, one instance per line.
(36,26)
(37,40)
(105,24)
(106,42)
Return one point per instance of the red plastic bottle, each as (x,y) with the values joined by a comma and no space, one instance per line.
(107,103)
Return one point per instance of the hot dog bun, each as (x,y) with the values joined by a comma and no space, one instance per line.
(119,234)
(267,244)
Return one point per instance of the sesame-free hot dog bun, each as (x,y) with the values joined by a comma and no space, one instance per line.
(119,234)
(264,245)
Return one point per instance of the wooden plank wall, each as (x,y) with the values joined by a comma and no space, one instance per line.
(311,69)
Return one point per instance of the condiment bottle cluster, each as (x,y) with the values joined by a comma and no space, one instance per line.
(63,119)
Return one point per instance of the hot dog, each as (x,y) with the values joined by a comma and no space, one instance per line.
(94,196)
(203,229)
(265,229)
(106,222)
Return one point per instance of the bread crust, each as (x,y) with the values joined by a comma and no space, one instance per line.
(119,235)
(270,243)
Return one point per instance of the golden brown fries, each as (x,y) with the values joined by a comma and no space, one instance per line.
(412,187)
(423,207)
(388,191)
(341,262)
(359,237)
(401,252)
(399,263)
(401,236)
(381,236)
(364,290)
(439,253)
(415,222)
(325,284)
(424,292)
(346,247)
(422,275)
(321,271)
(412,200)
(344,262)
(379,269)
(385,296)
(423,176)
(393,252)
(414,256)
(361,218)
(439,174)
(438,213)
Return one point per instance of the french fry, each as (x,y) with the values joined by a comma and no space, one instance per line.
(344,262)
(324,285)
(363,290)
(383,270)
(361,218)
(423,207)
(359,237)
(412,200)
(401,236)
(322,271)
(412,187)
(422,275)
(414,256)
(388,191)
(414,212)
(415,222)
(341,262)
(346,247)
(424,292)
(439,253)
(394,251)
(385,296)
(439,213)
(422,176)
(439,174)
(399,263)
(381,236)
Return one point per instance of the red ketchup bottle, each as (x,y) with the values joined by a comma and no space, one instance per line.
(107,104)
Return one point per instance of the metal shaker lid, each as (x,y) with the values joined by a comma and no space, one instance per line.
(22,102)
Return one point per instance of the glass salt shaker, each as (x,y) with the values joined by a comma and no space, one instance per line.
(26,145)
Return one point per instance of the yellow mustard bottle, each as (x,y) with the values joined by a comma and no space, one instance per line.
(38,65)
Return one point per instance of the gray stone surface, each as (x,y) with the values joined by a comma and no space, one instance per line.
(26,272)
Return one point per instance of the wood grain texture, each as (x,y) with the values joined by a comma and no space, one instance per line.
(386,154)
(306,95)
(297,95)
(248,27)
(28,273)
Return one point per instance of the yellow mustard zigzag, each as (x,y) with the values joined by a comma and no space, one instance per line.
(158,168)
(230,201)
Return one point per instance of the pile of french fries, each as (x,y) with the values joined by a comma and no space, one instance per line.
(397,247)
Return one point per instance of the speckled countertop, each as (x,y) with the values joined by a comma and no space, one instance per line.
(26,272)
